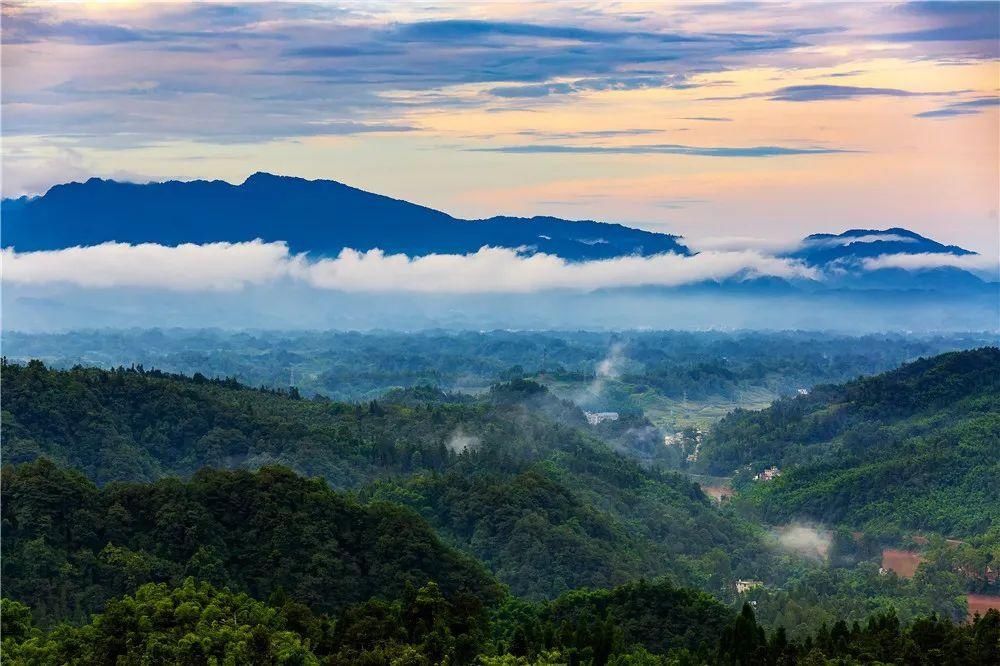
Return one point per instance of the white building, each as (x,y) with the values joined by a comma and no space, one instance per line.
(744,586)
(593,418)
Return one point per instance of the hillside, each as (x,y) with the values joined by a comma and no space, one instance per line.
(640,623)
(70,546)
(511,477)
(195,622)
(321,217)
(917,448)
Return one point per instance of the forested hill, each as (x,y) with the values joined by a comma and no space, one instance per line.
(69,546)
(512,477)
(917,448)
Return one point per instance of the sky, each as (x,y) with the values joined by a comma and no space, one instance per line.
(738,125)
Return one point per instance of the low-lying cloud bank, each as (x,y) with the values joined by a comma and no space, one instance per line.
(233,266)
(976,263)
(188,267)
(837,241)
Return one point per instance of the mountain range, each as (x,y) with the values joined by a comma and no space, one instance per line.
(323,217)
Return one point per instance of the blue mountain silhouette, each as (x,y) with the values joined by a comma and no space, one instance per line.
(317,216)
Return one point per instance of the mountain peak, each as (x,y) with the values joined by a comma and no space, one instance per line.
(259,178)
(860,243)
(321,217)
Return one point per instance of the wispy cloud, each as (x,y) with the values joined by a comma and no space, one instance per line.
(836,241)
(257,72)
(821,92)
(966,108)
(667,149)
(952,22)
(976,263)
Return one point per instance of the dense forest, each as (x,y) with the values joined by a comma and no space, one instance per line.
(512,477)
(641,624)
(70,546)
(173,570)
(492,528)
(914,449)
(666,373)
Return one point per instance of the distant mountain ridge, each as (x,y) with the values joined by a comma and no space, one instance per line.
(844,258)
(321,217)
(855,244)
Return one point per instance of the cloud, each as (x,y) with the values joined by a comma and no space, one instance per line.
(804,540)
(341,51)
(739,243)
(232,266)
(188,267)
(254,73)
(946,112)
(459,442)
(821,92)
(537,90)
(459,31)
(603,134)
(610,366)
(666,149)
(834,241)
(966,108)
(507,271)
(976,263)
(602,83)
(29,26)
(951,22)
(607,369)
(261,72)
(709,119)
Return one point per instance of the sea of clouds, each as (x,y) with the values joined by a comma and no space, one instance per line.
(234,266)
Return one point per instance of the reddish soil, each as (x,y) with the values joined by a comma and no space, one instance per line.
(981,603)
(903,562)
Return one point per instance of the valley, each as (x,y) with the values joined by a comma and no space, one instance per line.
(499,333)
(508,479)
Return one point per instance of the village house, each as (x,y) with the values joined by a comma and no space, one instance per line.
(744,586)
(768,474)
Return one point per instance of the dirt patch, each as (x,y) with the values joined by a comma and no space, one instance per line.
(903,562)
(718,493)
(980,603)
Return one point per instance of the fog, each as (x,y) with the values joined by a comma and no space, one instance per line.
(289,306)
(805,540)
(608,368)
(459,442)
